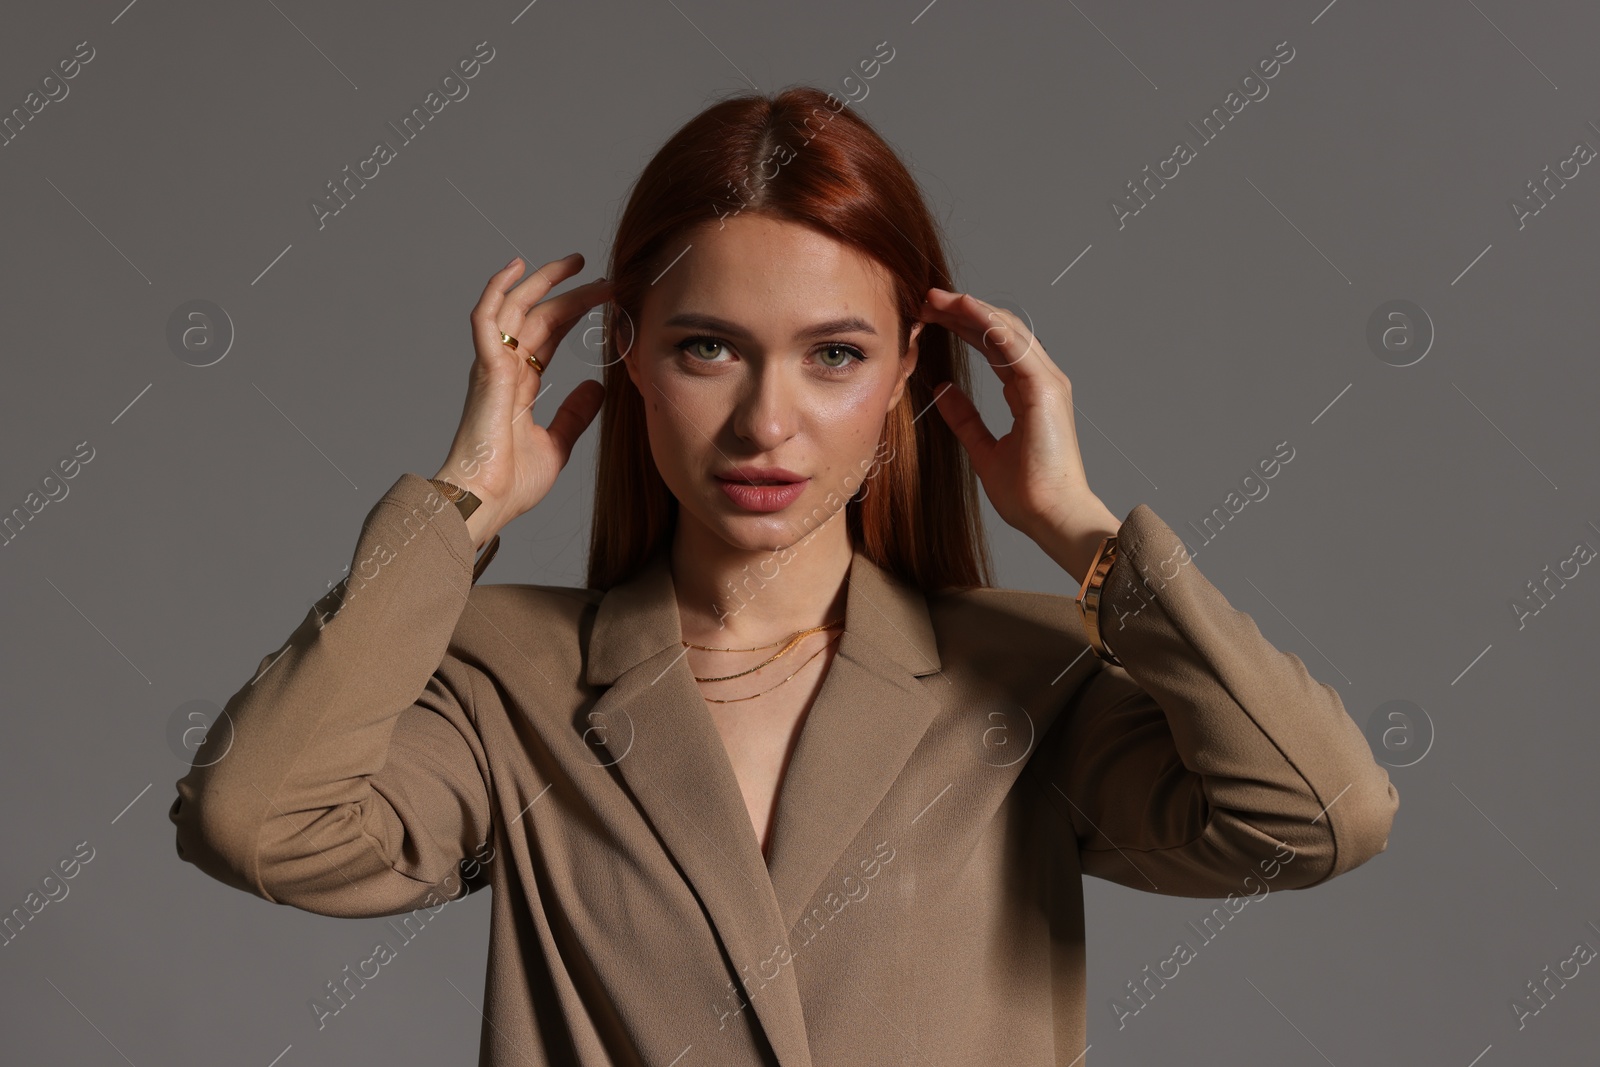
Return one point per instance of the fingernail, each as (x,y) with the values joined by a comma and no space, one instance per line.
(509,262)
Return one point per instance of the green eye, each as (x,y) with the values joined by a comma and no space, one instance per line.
(847,368)
(688,344)
(693,348)
(848,350)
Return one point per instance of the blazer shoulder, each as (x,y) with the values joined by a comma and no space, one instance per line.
(996,621)
(544,597)
(510,622)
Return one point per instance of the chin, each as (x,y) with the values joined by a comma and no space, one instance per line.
(757,533)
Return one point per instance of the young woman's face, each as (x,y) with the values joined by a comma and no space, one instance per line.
(770,345)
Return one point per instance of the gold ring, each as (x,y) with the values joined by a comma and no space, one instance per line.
(507,340)
(534,363)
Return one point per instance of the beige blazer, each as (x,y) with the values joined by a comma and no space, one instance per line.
(966,761)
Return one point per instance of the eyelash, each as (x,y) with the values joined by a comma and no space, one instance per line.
(836,372)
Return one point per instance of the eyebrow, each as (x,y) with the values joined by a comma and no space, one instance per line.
(698,321)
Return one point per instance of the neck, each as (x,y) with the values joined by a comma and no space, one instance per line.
(739,597)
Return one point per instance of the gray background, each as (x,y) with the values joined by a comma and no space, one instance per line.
(1227,316)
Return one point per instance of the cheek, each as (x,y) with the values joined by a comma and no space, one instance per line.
(678,412)
(679,423)
(854,416)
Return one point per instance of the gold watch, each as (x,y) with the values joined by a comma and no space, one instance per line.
(1088,599)
(466,502)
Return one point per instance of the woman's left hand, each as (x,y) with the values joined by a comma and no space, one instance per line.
(1034,474)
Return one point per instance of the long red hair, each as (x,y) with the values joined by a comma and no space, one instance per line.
(793,156)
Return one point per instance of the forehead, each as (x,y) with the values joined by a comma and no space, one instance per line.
(770,273)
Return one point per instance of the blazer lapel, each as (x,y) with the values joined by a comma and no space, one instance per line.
(867,717)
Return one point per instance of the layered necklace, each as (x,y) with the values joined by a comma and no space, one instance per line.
(788,643)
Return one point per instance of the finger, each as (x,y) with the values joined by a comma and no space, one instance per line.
(513,310)
(536,329)
(558,333)
(965,421)
(486,314)
(489,301)
(493,290)
(574,416)
(1002,339)
(530,383)
(1009,321)
(962,316)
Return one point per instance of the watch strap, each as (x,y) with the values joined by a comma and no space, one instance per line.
(466,502)
(483,559)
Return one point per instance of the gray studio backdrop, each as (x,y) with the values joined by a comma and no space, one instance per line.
(1379,262)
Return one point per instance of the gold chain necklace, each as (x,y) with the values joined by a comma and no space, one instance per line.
(788,644)
(797,670)
(793,639)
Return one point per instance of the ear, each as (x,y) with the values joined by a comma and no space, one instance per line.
(629,362)
(908,363)
(632,367)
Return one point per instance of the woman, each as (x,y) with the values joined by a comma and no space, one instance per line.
(789,782)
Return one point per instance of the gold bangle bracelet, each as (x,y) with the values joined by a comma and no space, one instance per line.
(1088,599)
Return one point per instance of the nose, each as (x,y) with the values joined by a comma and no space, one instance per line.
(766,413)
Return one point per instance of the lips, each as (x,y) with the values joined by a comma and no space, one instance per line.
(775,495)
(761,476)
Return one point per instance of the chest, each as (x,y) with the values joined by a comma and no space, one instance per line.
(760,734)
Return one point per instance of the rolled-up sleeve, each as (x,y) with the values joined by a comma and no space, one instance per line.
(347,777)
(1194,763)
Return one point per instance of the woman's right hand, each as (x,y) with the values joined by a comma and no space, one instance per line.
(500,453)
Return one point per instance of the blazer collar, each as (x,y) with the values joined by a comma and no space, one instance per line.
(637,618)
(658,737)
